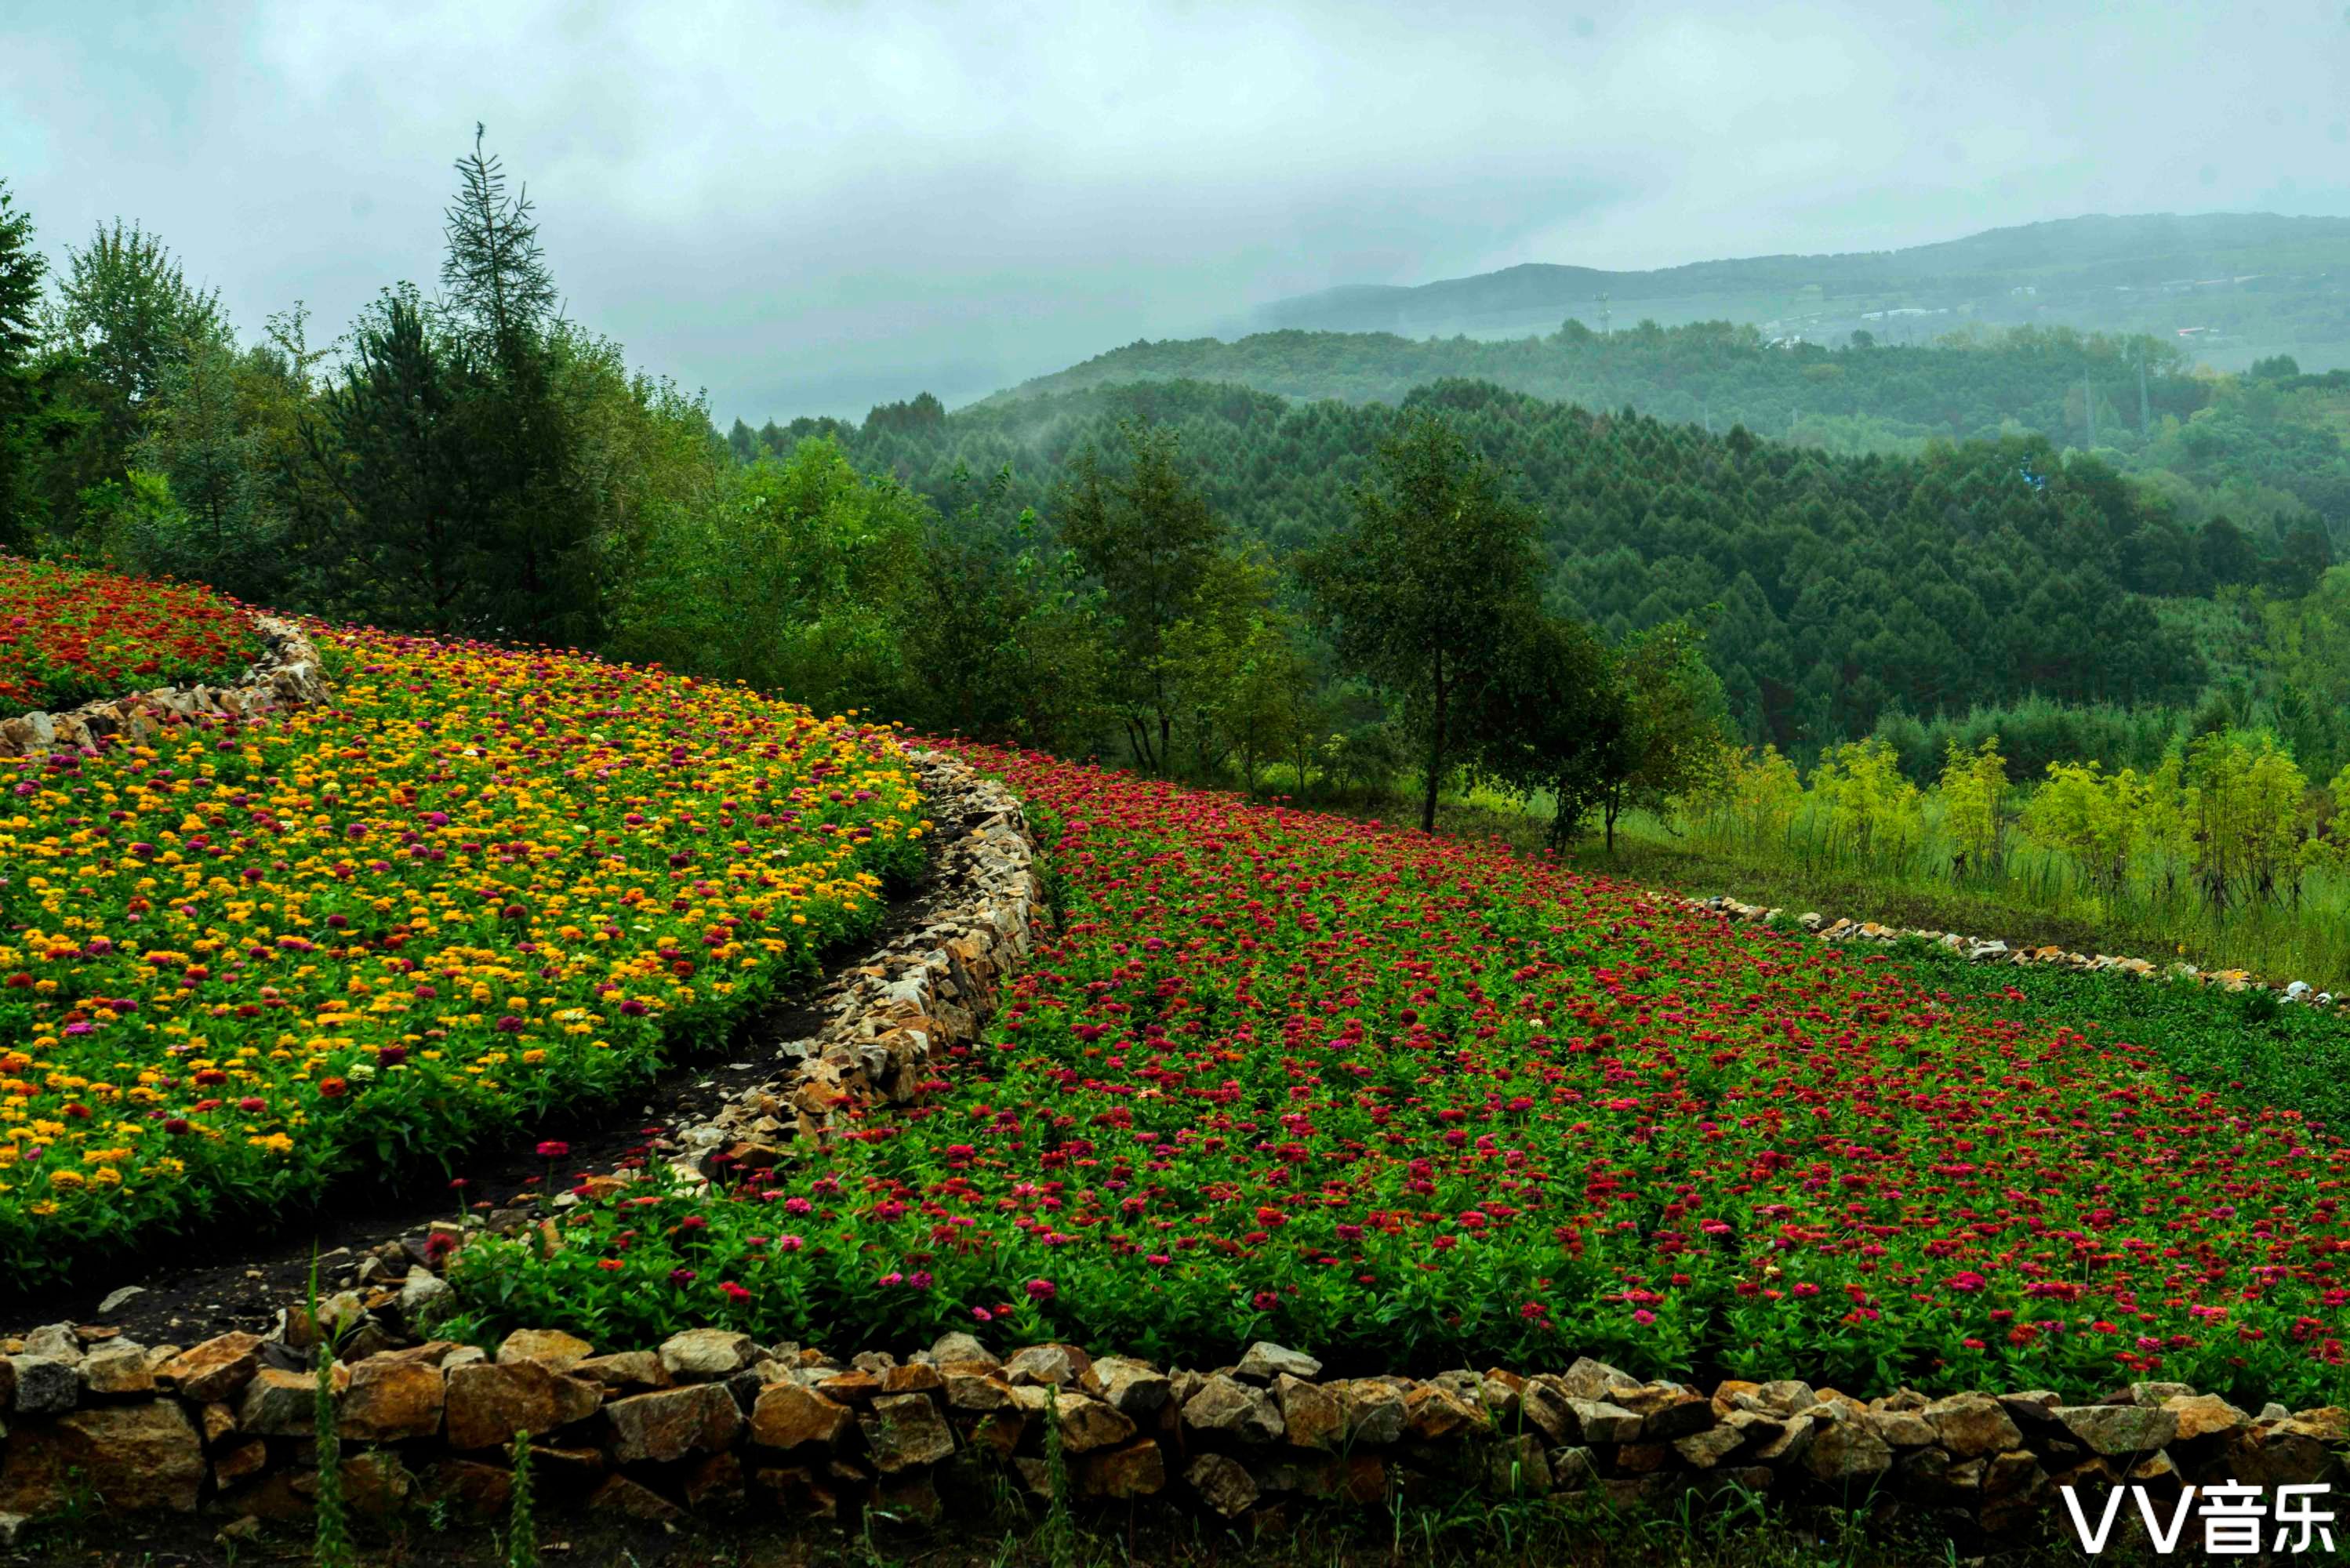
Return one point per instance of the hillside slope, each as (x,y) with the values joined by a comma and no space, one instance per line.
(1713,375)
(1979,573)
(2239,285)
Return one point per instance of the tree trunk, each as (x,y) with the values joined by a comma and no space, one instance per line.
(1435,753)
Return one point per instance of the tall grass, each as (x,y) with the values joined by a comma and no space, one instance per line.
(2031,894)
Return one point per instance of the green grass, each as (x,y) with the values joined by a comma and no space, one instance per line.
(1467,1531)
(2247,1046)
(2040,902)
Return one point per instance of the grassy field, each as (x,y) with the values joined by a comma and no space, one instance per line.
(2036,905)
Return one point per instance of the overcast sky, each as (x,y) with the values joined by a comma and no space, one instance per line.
(807,208)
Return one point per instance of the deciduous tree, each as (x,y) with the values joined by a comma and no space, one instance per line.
(1421,591)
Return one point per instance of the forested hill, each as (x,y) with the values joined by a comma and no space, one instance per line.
(2242,284)
(1714,374)
(1973,574)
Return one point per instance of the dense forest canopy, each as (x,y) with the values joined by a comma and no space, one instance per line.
(1842,587)
(1709,372)
(2264,448)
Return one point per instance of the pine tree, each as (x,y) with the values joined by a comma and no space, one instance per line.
(22,268)
(535,511)
(495,272)
(381,492)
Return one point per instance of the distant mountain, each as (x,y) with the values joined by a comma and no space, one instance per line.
(2233,286)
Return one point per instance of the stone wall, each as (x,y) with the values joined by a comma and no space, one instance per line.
(288,675)
(711,1422)
(932,988)
(1991,949)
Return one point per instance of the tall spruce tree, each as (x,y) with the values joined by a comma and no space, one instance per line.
(495,276)
(499,298)
(381,494)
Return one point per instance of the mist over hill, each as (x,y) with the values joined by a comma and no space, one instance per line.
(2230,287)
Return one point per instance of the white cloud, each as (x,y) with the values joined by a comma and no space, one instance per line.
(814,205)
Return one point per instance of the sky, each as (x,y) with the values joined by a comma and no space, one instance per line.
(809,208)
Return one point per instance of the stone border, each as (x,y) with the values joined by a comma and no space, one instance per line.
(712,1422)
(289,674)
(932,989)
(1991,950)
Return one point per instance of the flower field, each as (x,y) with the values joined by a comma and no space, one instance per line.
(1407,1102)
(69,637)
(238,964)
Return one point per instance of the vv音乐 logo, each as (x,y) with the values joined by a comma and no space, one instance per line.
(2235,1519)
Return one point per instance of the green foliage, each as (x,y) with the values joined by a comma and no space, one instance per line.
(2231,817)
(125,316)
(521,1525)
(331,1541)
(479,465)
(134,522)
(495,276)
(1237,667)
(1712,374)
(2092,816)
(2245,800)
(793,578)
(1975,809)
(381,497)
(1420,594)
(1665,741)
(1752,799)
(1005,633)
(1868,804)
(2031,734)
(22,269)
(1147,534)
(1967,576)
(211,445)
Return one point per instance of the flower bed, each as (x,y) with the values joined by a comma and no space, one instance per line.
(239,962)
(1402,1100)
(68,635)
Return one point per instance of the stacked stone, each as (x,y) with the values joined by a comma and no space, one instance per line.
(288,675)
(710,1422)
(1991,950)
(933,988)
